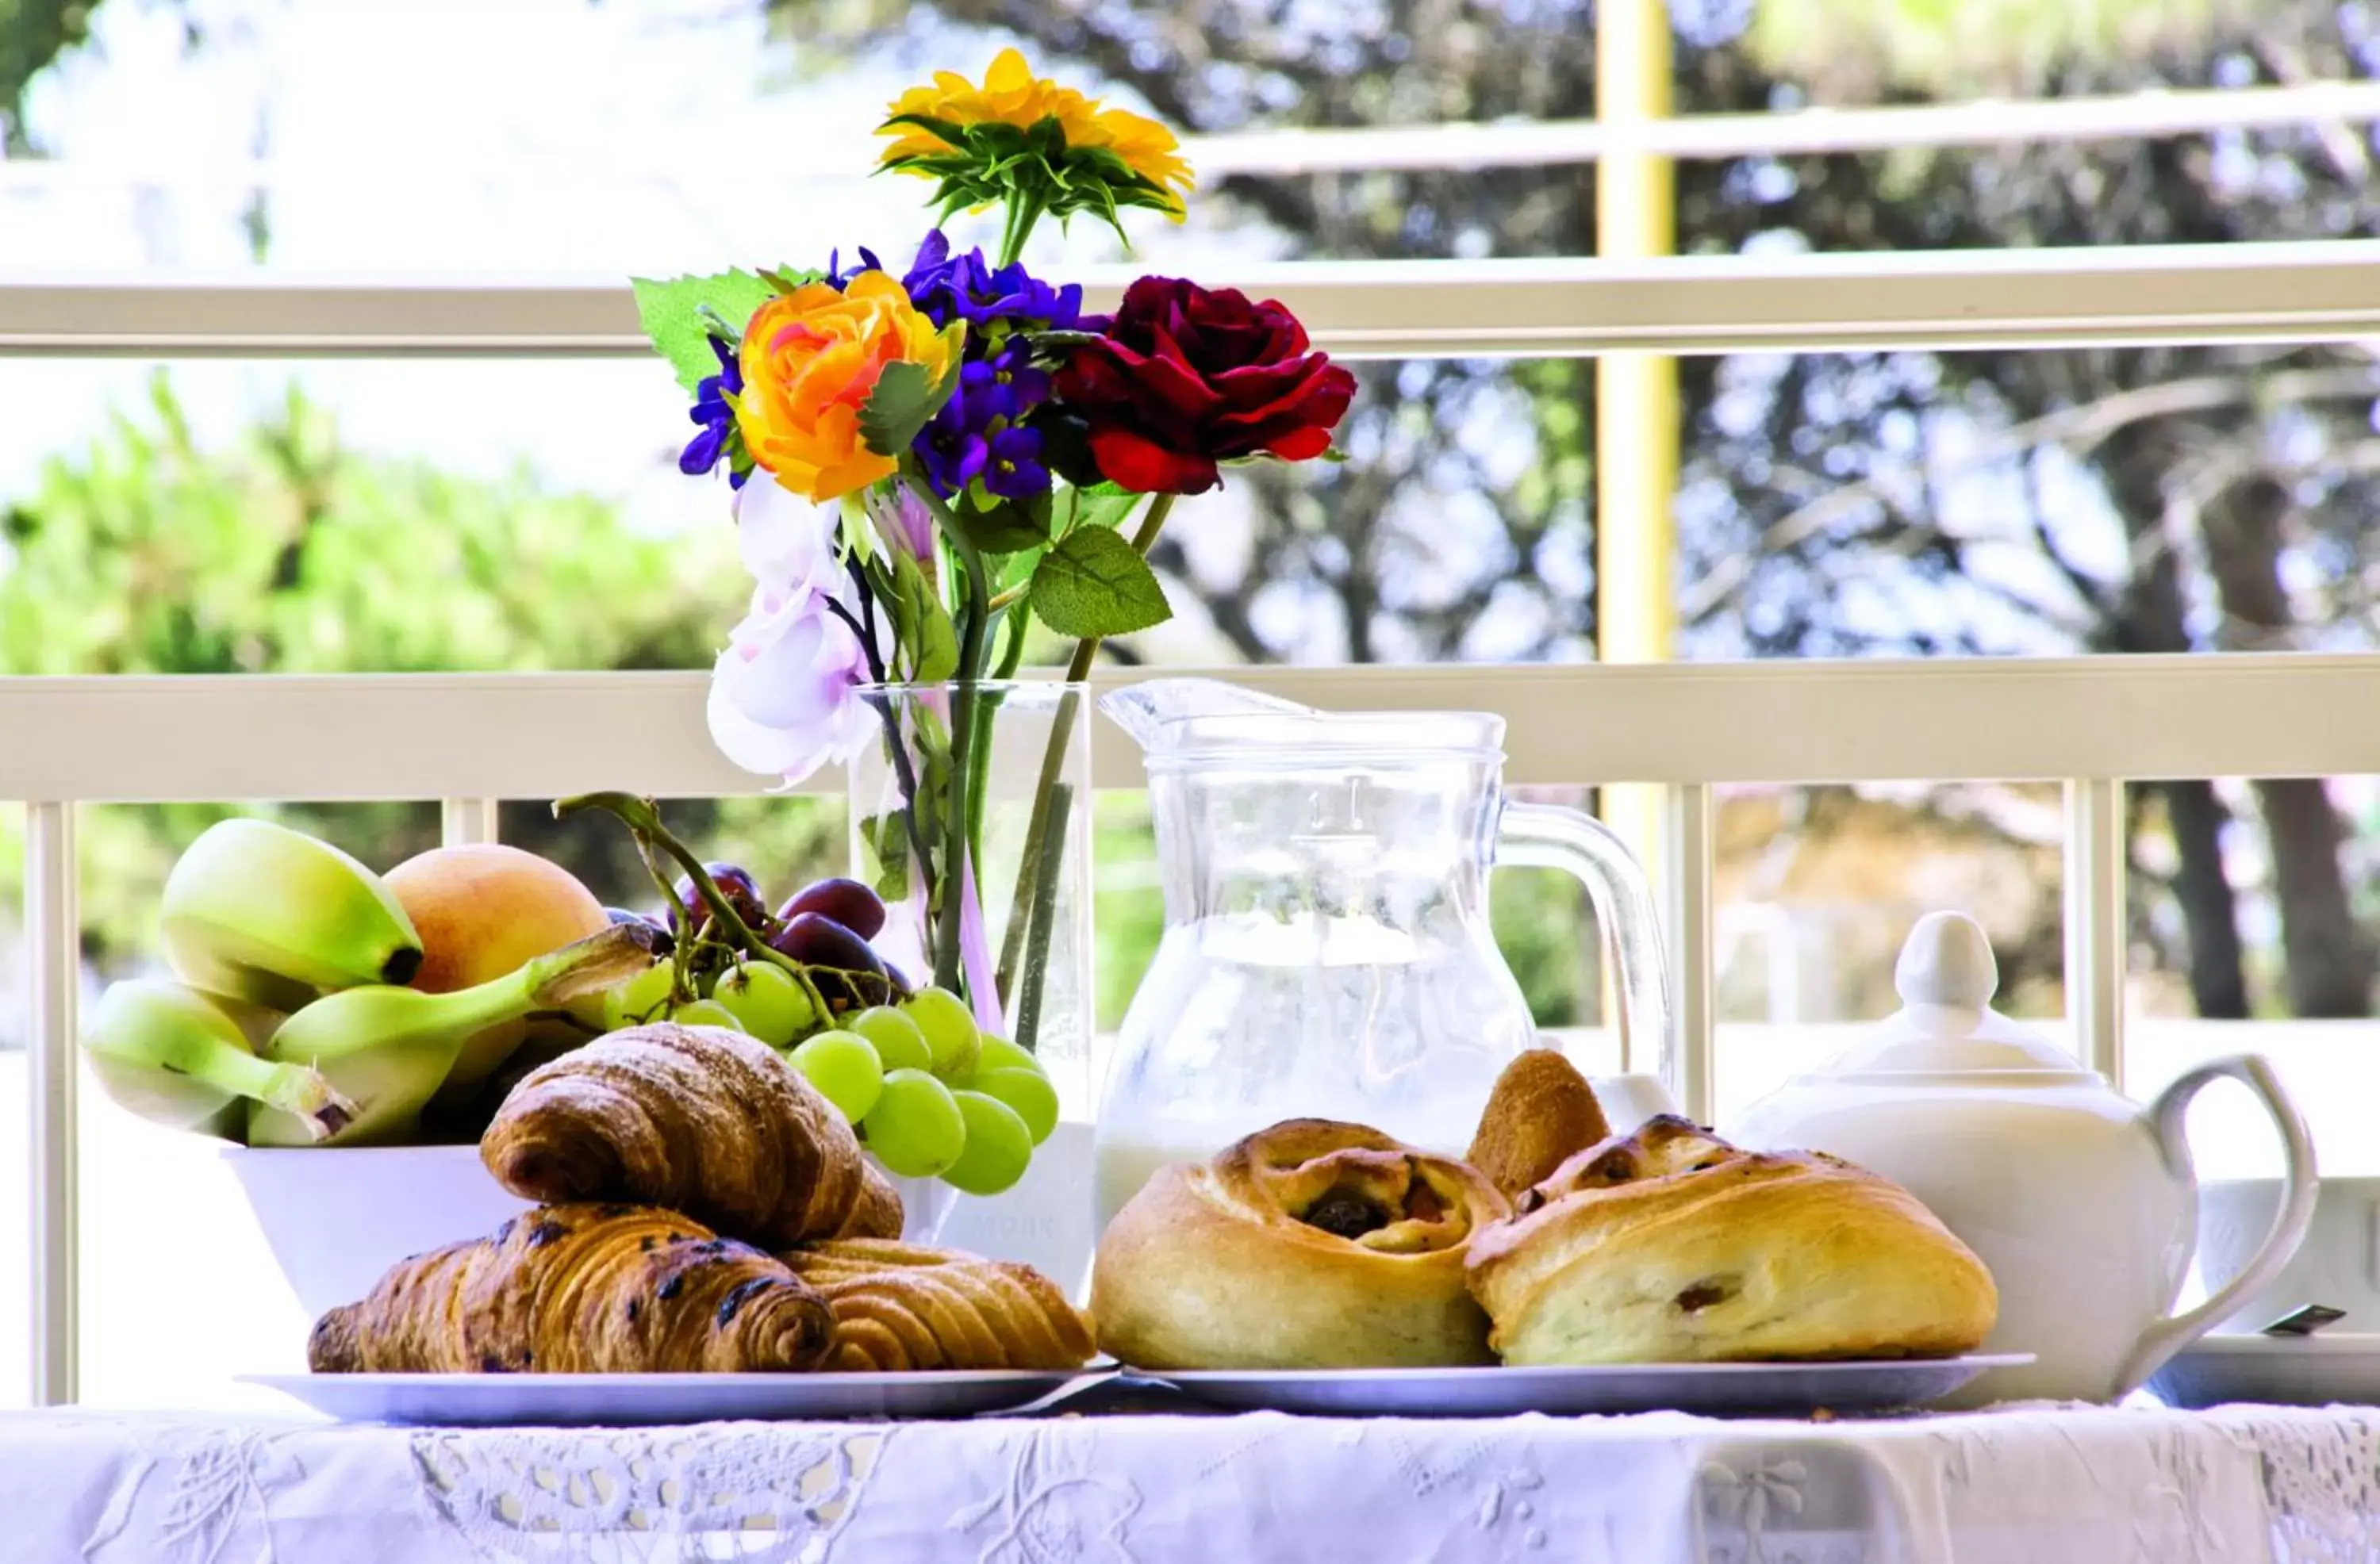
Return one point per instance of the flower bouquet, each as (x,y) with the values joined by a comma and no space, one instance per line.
(926,464)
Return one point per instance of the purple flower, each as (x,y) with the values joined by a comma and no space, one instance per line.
(992,303)
(984,432)
(837,278)
(716,414)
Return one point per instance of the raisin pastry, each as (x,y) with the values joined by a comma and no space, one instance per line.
(1671,1245)
(1311,1244)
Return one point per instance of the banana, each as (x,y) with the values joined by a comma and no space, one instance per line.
(272,916)
(176,1057)
(390,1049)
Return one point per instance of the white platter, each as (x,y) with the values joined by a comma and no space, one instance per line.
(1732,1388)
(2301,1370)
(630,1400)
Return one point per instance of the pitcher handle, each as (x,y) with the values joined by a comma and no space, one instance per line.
(1547,836)
(2167,1336)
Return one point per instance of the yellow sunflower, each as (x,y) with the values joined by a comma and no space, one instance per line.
(1013,95)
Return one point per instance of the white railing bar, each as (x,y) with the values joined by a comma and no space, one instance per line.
(1987,122)
(462,821)
(2096,944)
(1455,145)
(125,738)
(1688,889)
(53,931)
(2311,290)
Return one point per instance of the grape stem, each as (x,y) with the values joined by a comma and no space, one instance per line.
(643,819)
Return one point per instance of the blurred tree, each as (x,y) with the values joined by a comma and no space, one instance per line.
(146,554)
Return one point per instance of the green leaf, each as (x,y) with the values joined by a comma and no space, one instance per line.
(671,310)
(1093,583)
(903,399)
(1105,505)
(1006,526)
(936,640)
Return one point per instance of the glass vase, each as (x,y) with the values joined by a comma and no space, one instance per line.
(971,814)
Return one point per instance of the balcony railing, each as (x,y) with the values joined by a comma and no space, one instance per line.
(470,740)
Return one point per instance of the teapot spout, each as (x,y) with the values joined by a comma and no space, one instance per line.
(1147,709)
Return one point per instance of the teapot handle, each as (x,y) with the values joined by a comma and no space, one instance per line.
(1547,836)
(2167,1336)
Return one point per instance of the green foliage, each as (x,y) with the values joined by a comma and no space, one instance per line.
(284,552)
(1026,168)
(1093,583)
(1966,48)
(672,312)
(902,400)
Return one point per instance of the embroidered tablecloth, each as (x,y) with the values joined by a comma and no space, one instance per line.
(2023,1485)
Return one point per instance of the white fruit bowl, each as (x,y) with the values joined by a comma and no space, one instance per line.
(336,1219)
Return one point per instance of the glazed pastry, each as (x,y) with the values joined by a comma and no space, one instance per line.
(582,1289)
(701,1120)
(904,1306)
(1311,1244)
(1541,1113)
(1672,1247)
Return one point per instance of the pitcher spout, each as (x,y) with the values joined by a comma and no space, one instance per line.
(1152,709)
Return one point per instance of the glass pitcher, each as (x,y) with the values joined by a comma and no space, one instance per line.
(1327,950)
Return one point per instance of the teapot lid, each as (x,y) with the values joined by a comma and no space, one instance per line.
(1946,977)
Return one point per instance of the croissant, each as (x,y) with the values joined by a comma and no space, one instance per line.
(1540,1113)
(701,1120)
(1672,1247)
(581,1289)
(902,1306)
(1311,1244)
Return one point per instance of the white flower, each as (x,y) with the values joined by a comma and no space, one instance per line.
(784,694)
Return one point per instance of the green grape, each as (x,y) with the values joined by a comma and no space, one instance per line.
(998,1147)
(638,999)
(1027,1092)
(844,1070)
(949,1030)
(916,1128)
(996,1052)
(767,1002)
(706,1013)
(898,1042)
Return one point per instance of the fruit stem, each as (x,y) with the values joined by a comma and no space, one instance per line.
(294,1088)
(643,819)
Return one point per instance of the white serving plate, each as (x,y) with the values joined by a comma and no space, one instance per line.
(1601,1387)
(2300,1371)
(630,1400)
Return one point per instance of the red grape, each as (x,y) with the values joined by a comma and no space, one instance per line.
(847,902)
(735,884)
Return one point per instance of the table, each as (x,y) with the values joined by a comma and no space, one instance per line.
(2035,1485)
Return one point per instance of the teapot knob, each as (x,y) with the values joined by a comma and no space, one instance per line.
(1948,960)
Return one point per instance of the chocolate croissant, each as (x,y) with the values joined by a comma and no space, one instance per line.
(701,1120)
(581,1289)
(1671,1245)
(1311,1244)
(904,1306)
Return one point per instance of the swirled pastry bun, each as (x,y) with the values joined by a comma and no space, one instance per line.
(1311,1244)
(1672,1247)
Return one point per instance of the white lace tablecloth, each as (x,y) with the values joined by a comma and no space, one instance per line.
(2032,1485)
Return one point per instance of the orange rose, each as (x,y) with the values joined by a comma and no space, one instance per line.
(810,359)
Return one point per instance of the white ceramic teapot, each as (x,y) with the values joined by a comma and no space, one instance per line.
(2082,1202)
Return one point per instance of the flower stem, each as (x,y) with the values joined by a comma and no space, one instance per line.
(959,816)
(1021,218)
(1030,866)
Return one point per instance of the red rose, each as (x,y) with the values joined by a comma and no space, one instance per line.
(1185,379)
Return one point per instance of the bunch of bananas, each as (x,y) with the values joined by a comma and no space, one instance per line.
(291,1024)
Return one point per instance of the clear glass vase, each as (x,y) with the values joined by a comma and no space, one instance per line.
(1016,944)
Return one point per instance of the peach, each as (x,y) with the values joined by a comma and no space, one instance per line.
(482,910)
